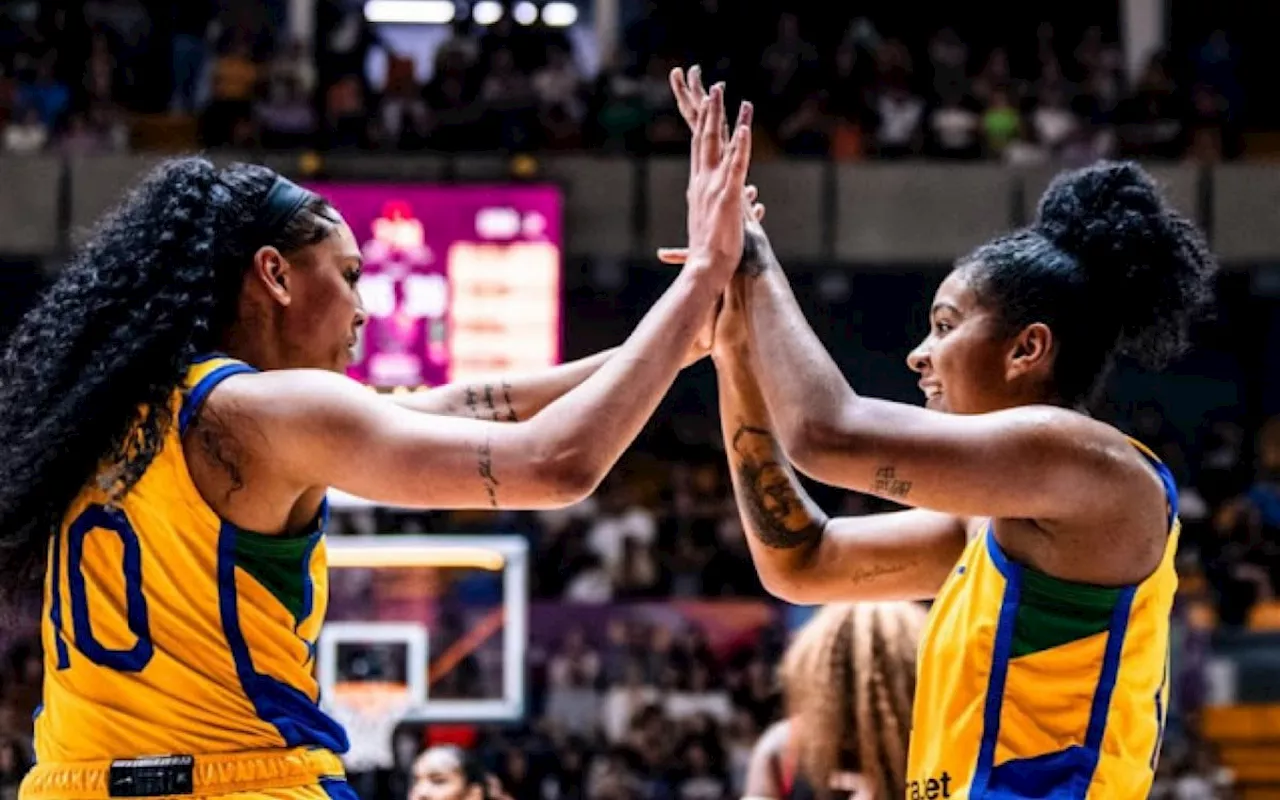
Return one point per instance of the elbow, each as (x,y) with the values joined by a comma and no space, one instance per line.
(792,580)
(788,588)
(808,441)
(568,477)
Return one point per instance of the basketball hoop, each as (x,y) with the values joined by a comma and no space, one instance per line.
(370,712)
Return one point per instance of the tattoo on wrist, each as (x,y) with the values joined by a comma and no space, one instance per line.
(486,472)
(779,513)
(889,484)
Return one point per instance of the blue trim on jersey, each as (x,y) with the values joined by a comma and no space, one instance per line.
(1060,775)
(308,585)
(1107,679)
(200,392)
(1162,714)
(1001,649)
(338,789)
(297,717)
(55,604)
(1166,478)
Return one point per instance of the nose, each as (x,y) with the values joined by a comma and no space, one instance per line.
(362,316)
(918,358)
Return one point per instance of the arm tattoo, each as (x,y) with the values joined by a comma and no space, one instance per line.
(777,509)
(221,448)
(888,484)
(870,573)
(506,413)
(472,402)
(486,472)
(512,416)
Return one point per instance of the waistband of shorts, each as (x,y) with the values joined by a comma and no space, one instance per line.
(212,774)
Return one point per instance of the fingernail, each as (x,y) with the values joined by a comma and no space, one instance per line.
(747,111)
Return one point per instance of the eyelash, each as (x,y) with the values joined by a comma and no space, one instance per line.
(943,327)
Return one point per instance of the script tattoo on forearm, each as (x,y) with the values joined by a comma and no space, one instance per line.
(496,410)
(485,468)
(778,511)
(889,484)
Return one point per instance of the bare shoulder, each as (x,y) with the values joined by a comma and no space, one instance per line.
(1099,453)
(1115,489)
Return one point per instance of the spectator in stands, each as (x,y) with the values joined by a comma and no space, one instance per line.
(403,112)
(1151,121)
(191,20)
(900,118)
(45,94)
(561,105)
(1244,562)
(235,83)
(510,103)
(100,81)
(954,127)
(346,123)
(286,118)
(1001,123)
(1052,122)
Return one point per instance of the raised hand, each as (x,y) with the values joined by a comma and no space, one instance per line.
(717,177)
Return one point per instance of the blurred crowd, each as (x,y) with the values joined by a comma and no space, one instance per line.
(80,79)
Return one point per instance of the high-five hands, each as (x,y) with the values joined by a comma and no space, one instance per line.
(693,101)
(716,194)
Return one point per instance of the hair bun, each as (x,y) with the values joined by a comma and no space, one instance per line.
(1109,216)
(1132,246)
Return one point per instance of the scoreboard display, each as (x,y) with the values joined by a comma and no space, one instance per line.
(458,281)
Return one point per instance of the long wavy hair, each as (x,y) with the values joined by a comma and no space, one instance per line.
(849,680)
(88,376)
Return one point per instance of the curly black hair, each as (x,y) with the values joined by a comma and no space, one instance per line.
(1109,266)
(87,377)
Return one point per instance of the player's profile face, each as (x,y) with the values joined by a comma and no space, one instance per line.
(961,360)
(328,312)
(437,775)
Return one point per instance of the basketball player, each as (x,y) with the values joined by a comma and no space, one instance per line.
(1046,537)
(848,679)
(174,410)
(450,773)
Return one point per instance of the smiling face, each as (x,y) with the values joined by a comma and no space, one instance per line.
(967,363)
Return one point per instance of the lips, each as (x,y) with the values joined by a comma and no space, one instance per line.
(931,390)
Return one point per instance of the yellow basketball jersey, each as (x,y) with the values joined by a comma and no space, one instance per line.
(1034,687)
(167,630)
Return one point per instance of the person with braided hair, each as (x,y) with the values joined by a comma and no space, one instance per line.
(848,681)
(174,411)
(1045,537)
